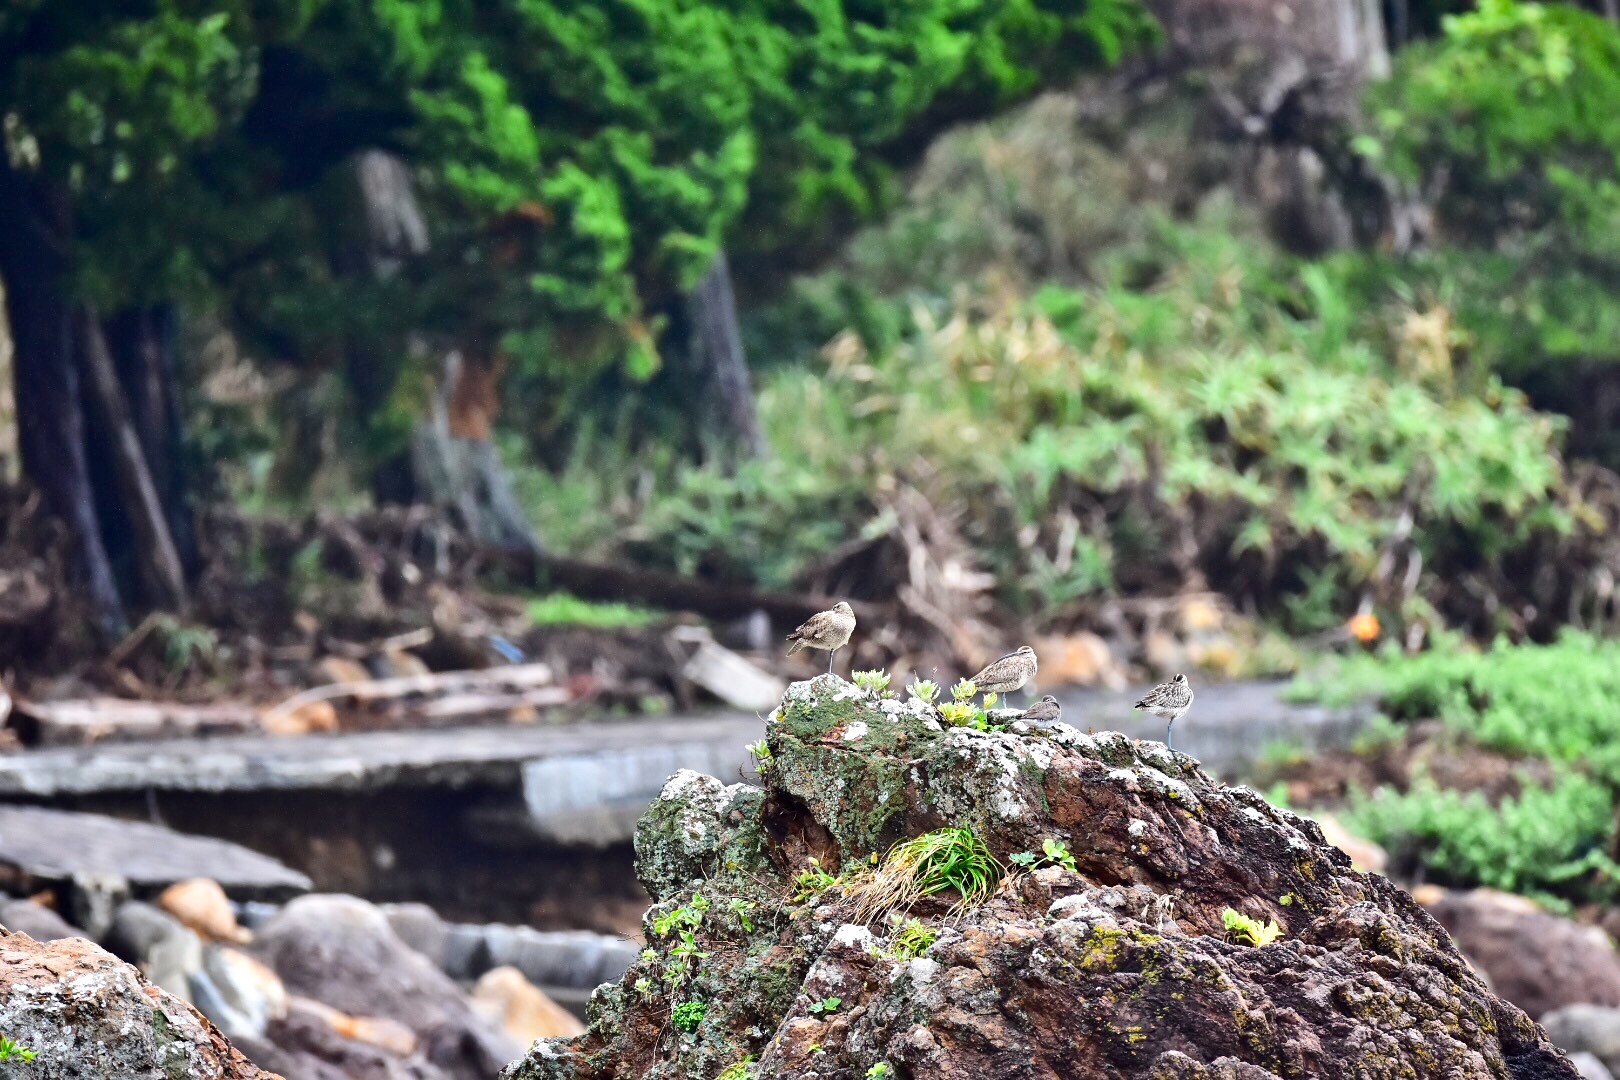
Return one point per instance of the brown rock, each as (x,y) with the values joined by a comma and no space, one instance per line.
(90,1016)
(341,951)
(1535,959)
(1082,659)
(1365,855)
(1119,967)
(305,1045)
(388,1035)
(201,904)
(311,716)
(340,669)
(504,997)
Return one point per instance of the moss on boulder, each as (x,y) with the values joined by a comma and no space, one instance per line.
(1118,967)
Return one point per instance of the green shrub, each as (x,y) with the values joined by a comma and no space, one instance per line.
(1506,122)
(1545,842)
(689,1014)
(1188,400)
(1556,704)
(1559,701)
(9,1049)
(562,609)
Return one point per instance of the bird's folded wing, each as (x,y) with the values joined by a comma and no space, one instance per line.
(812,627)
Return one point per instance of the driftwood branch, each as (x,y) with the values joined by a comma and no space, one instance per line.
(93,720)
(514,682)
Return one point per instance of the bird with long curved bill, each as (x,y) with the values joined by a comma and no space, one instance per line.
(1170,699)
(1007,674)
(830,630)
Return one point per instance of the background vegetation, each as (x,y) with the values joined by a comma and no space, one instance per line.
(1002,313)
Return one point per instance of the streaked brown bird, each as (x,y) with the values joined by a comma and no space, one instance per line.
(1170,700)
(1009,673)
(1045,711)
(828,630)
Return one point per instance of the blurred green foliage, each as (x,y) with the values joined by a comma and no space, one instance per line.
(1557,706)
(564,609)
(1506,124)
(1204,387)
(1560,701)
(1546,842)
(579,163)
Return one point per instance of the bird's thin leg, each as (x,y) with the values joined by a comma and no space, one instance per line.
(830,654)
(1169,741)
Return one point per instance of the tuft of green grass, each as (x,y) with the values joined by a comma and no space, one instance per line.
(935,862)
(738,1070)
(911,940)
(924,690)
(565,609)
(812,882)
(1244,928)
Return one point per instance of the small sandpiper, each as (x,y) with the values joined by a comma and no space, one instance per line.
(1045,711)
(1170,700)
(828,630)
(1009,673)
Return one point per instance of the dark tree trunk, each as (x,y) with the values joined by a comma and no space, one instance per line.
(156,561)
(718,354)
(35,235)
(143,346)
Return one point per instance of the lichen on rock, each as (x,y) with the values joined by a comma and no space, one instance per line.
(1118,966)
(87,1015)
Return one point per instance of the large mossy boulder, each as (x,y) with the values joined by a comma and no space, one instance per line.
(1120,964)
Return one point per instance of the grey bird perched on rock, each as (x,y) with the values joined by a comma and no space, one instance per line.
(1009,673)
(1170,700)
(828,630)
(1045,711)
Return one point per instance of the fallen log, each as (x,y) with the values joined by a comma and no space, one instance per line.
(504,682)
(82,722)
(672,592)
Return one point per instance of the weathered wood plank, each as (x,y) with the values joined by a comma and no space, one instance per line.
(39,847)
(350,761)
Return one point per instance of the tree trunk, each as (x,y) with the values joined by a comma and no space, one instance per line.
(143,344)
(455,461)
(452,460)
(35,237)
(717,349)
(157,562)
